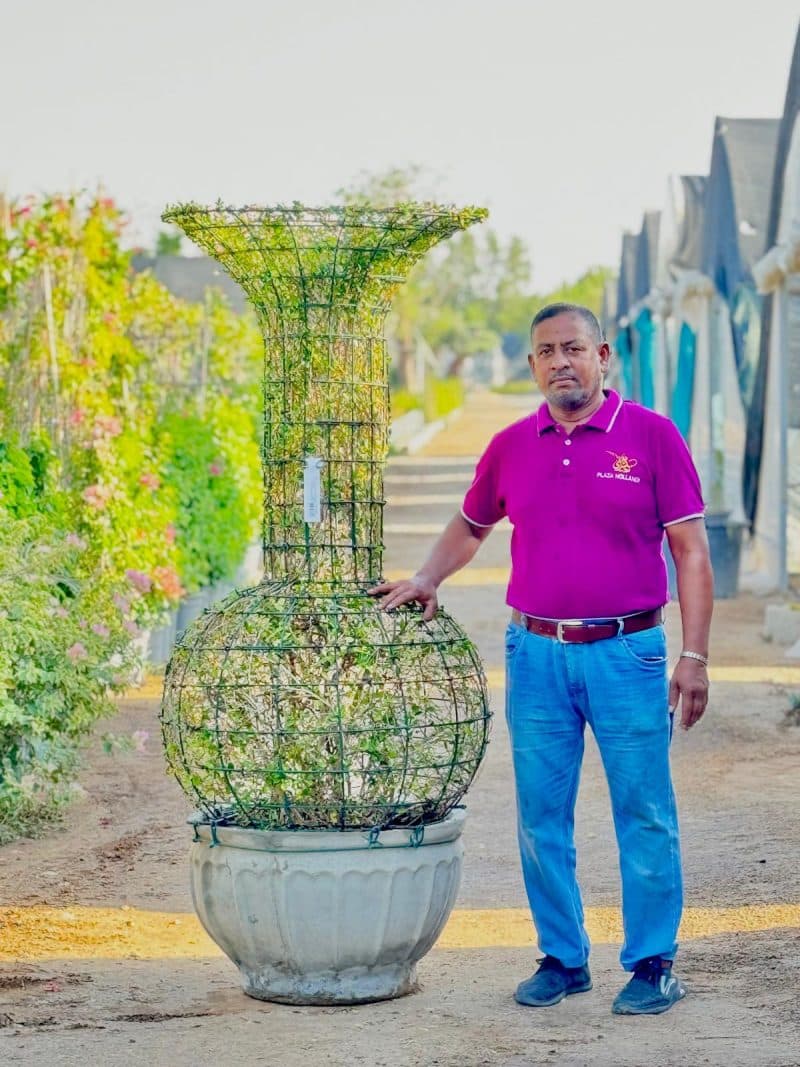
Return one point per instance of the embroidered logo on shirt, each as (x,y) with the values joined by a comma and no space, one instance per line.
(621,468)
(622,464)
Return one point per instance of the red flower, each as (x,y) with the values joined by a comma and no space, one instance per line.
(166,579)
(97,496)
(107,426)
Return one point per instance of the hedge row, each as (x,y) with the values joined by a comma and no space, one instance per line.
(129,474)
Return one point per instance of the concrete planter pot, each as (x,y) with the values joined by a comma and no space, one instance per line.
(326,917)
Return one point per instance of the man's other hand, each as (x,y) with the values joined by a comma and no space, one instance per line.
(418,588)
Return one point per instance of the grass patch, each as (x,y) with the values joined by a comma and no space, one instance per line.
(440,397)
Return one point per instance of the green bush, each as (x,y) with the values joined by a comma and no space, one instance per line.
(439,398)
(65,648)
(99,511)
(207,465)
(442,395)
(18,489)
(403,401)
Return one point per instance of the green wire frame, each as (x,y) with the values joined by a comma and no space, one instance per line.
(298,704)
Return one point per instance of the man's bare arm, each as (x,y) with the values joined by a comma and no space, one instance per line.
(689,546)
(455,547)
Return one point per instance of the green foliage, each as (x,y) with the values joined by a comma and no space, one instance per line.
(304,705)
(442,396)
(64,650)
(92,359)
(300,703)
(18,488)
(403,401)
(586,290)
(322,281)
(168,243)
(210,463)
(470,296)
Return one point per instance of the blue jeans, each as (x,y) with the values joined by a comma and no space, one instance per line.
(619,686)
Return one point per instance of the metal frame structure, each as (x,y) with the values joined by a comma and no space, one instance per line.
(299,704)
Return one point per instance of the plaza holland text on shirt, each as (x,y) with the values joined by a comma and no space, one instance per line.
(622,467)
(618,477)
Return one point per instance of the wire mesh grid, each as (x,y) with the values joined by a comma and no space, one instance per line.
(287,708)
(299,704)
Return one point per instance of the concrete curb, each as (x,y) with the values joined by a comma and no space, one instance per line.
(418,441)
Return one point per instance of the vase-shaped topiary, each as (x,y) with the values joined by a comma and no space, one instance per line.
(298,705)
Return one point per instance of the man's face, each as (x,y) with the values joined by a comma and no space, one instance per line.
(567,362)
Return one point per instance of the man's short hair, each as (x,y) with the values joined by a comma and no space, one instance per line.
(590,319)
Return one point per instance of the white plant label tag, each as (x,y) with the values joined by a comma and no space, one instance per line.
(312,489)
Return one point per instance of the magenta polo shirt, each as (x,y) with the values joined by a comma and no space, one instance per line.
(588,508)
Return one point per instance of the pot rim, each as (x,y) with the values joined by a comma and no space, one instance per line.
(248,838)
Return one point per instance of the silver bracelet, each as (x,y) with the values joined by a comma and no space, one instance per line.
(695,655)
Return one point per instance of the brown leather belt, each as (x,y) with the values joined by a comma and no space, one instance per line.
(579,631)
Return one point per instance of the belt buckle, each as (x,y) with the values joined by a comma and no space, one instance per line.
(560,628)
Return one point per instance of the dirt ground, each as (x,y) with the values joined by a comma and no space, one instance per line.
(123,848)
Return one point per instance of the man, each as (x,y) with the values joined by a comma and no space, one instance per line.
(590,484)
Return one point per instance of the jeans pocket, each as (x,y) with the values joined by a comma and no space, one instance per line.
(647,648)
(515,635)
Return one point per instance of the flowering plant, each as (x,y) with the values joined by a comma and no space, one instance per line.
(64,651)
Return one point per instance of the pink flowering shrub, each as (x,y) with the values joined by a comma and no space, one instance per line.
(95,492)
(64,651)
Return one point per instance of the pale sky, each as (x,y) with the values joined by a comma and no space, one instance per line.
(563,118)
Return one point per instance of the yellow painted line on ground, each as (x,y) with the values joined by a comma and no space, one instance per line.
(776,675)
(512,927)
(46,933)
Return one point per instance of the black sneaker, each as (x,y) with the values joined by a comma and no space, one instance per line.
(551,983)
(652,989)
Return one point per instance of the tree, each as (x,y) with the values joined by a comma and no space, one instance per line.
(168,243)
(470,295)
